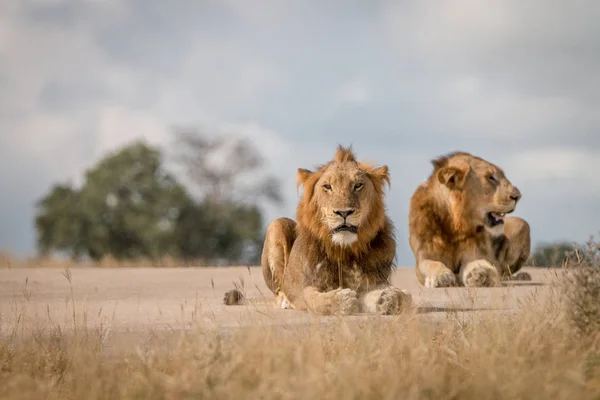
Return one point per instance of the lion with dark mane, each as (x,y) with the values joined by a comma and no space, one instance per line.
(459,231)
(337,257)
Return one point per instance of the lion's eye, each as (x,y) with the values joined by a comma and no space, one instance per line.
(358,186)
(492,179)
(327,187)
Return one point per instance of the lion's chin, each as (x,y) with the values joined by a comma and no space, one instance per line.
(494,229)
(344,238)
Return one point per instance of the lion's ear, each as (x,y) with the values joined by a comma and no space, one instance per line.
(381,173)
(303,175)
(452,177)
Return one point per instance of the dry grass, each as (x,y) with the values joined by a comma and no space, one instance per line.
(532,354)
(8,260)
(545,350)
(581,287)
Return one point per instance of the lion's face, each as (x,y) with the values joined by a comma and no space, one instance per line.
(345,198)
(344,195)
(487,192)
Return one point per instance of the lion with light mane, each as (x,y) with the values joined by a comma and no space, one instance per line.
(337,257)
(459,231)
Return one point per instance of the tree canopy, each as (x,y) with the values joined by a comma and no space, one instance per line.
(131,207)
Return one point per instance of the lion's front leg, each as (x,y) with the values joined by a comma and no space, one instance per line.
(435,274)
(514,249)
(386,300)
(338,301)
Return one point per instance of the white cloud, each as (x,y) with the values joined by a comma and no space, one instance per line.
(501,69)
(259,12)
(37,55)
(515,79)
(505,115)
(469,33)
(558,172)
(353,93)
(226,78)
(68,56)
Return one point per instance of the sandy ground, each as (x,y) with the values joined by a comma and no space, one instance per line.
(138,299)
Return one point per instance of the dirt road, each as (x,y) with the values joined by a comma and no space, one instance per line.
(135,299)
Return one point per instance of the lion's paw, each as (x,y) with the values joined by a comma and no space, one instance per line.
(345,301)
(445,279)
(481,276)
(393,301)
(283,302)
(522,276)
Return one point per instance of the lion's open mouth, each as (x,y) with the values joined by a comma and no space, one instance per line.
(494,218)
(345,228)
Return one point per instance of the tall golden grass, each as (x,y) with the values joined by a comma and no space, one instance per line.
(536,352)
(9,260)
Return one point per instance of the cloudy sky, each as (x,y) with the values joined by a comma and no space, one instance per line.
(516,82)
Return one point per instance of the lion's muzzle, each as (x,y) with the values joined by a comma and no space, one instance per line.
(345,228)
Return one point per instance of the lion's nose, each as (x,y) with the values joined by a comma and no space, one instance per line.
(344,213)
(515,195)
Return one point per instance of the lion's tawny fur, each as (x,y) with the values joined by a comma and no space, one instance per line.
(310,265)
(449,236)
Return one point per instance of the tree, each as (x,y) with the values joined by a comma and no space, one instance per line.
(130,207)
(222,233)
(127,208)
(133,203)
(60,223)
(226,167)
(226,224)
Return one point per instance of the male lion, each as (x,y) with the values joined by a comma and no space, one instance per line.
(337,258)
(459,232)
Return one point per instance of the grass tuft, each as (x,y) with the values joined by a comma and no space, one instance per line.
(581,287)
